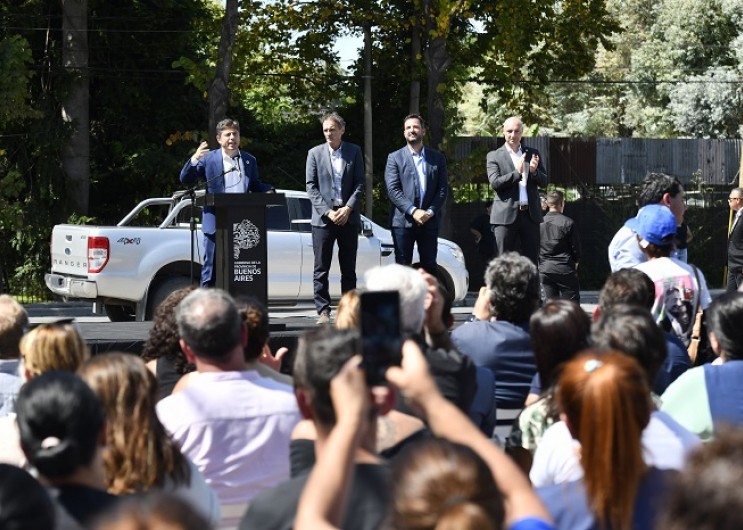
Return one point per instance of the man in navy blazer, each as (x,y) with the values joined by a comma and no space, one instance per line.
(515,172)
(417,186)
(334,178)
(225,170)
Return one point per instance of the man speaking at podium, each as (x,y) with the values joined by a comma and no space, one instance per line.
(225,170)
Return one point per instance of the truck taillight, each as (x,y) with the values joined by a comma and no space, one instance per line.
(98,249)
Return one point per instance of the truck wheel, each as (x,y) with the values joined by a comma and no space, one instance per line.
(119,313)
(162,290)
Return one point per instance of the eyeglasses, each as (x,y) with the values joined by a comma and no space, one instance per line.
(734,198)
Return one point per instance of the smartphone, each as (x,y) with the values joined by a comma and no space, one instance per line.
(380,334)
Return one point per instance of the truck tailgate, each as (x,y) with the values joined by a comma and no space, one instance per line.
(70,249)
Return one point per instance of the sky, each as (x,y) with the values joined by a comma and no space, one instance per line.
(348,49)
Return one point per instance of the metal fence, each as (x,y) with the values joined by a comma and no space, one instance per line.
(598,212)
(618,161)
(27,287)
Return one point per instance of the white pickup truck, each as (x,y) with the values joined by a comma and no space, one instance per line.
(128,269)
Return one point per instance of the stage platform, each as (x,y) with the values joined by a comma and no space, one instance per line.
(103,337)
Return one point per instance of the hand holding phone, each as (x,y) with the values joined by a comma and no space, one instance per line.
(380,334)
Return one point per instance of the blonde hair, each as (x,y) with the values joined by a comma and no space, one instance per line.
(140,454)
(53,347)
(349,309)
(13,323)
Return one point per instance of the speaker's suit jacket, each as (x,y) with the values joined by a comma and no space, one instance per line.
(504,179)
(319,182)
(401,179)
(210,168)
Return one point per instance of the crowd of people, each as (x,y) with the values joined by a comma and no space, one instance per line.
(609,431)
(533,414)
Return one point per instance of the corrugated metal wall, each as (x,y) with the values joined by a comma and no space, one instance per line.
(605,161)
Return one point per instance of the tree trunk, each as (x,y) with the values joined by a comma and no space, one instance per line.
(75,109)
(438,61)
(219,91)
(368,168)
(415,82)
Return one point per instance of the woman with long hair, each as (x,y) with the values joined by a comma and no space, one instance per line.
(558,331)
(605,400)
(140,455)
(61,427)
(50,347)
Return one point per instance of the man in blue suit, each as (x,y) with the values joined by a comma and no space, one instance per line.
(417,186)
(334,178)
(225,170)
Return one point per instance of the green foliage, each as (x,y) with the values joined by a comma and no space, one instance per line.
(674,70)
(15,56)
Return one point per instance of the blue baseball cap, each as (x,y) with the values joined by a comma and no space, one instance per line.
(655,224)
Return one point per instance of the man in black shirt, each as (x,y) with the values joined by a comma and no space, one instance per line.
(320,356)
(559,252)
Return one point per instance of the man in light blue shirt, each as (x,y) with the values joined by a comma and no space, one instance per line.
(657,188)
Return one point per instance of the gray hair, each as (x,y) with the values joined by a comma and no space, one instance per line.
(412,288)
(208,321)
(340,122)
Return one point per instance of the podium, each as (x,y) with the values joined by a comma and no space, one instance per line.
(241,253)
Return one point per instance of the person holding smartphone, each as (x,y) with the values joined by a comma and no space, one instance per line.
(515,172)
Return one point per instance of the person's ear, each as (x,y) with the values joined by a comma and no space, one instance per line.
(186,349)
(665,200)
(596,314)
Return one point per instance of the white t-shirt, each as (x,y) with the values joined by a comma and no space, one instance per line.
(676,293)
(665,443)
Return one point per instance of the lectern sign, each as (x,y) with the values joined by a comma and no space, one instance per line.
(245,236)
(241,264)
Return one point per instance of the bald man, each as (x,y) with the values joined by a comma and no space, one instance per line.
(515,172)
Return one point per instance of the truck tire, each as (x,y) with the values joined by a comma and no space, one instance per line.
(162,290)
(119,313)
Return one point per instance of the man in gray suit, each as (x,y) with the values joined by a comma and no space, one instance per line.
(335,184)
(417,186)
(515,172)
